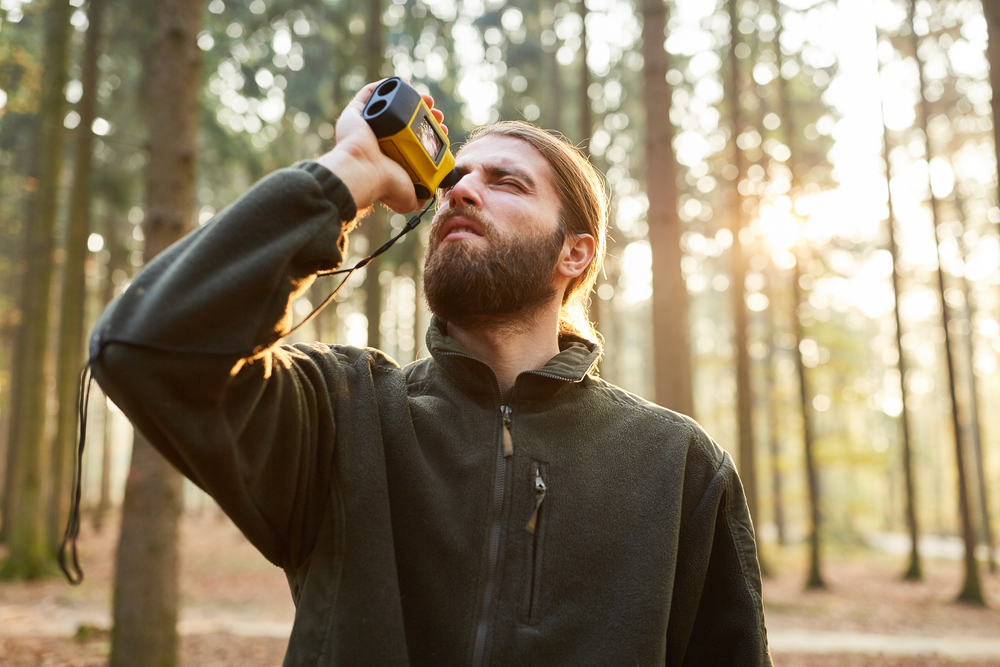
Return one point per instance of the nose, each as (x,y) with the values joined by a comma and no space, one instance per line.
(465,192)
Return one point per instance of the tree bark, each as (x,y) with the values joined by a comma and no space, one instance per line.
(376,224)
(30,553)
(971,588)
(586,112)
(744,391)
(74,285)
(991,9)
(773,421)
(118,258)
(555,105)
(914,572)
(671,336)
(815,577)
(586,132)
(145,598)
(145,602)
(975,426)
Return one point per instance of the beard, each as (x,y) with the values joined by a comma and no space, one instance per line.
(502,285)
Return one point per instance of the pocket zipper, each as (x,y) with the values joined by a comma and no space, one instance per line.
(508,442)
(540,489)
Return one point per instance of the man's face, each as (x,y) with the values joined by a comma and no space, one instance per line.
(496,239)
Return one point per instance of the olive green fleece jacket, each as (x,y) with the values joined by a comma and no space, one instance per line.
(421,517)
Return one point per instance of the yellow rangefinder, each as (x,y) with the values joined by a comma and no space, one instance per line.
(409,134)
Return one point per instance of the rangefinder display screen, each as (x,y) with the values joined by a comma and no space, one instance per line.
(428,138)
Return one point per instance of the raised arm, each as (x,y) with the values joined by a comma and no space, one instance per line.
(187,352)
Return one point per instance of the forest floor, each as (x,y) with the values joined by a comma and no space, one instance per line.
(236,610)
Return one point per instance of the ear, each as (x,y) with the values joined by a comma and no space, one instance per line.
(578,251)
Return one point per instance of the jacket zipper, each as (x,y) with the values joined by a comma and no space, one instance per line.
(504,449)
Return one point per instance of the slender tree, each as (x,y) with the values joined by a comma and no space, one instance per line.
(991,9)
(772,416)
(30,553)
(117,260)
(586,111)
(145,603)
(74,287)
(815,577)
(913,570)
(744,392)
(554,113)
(971,589)
(376,224)
(586,121)
(671,336)
(975,425)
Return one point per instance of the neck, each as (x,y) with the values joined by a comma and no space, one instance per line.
(512,347)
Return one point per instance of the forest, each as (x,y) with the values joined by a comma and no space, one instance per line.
(803,251)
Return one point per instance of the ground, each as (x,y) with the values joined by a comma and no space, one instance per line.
(237,611)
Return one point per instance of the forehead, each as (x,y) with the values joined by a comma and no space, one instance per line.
(506,152)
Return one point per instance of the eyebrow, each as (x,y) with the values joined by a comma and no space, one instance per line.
(496,172)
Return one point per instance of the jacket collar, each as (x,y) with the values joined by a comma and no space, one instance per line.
(577,357)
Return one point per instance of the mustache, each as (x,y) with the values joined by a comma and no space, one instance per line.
(470,212)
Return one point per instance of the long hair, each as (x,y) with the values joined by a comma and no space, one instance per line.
(583,201)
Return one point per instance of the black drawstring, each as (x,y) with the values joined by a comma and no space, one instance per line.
(67,549)
(73,524)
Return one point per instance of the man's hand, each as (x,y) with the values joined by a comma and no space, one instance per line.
(358,161)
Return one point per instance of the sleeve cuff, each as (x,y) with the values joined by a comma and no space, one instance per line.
(333,189)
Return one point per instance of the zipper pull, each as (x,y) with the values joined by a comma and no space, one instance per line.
(508,442)
(539,497)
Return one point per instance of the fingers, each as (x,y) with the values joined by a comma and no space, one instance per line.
(361,99)
(438,114)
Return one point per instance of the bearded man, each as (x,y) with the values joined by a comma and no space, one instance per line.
(492,504)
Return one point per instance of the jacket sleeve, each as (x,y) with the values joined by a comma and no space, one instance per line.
(187,353)
(717,615)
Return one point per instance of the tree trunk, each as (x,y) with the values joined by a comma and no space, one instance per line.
(145,598)
(586,112)
(586,132)
(118,258)
(975,427)
(744,391)
(8,331)
(30,553)
(815,576)
(971,589)
(144,633)
(773,421)
(913,571)
(376,224)
(991,9)
(554,109)
(74,287)
(671,336)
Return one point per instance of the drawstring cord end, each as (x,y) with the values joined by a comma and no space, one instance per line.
(69,561)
